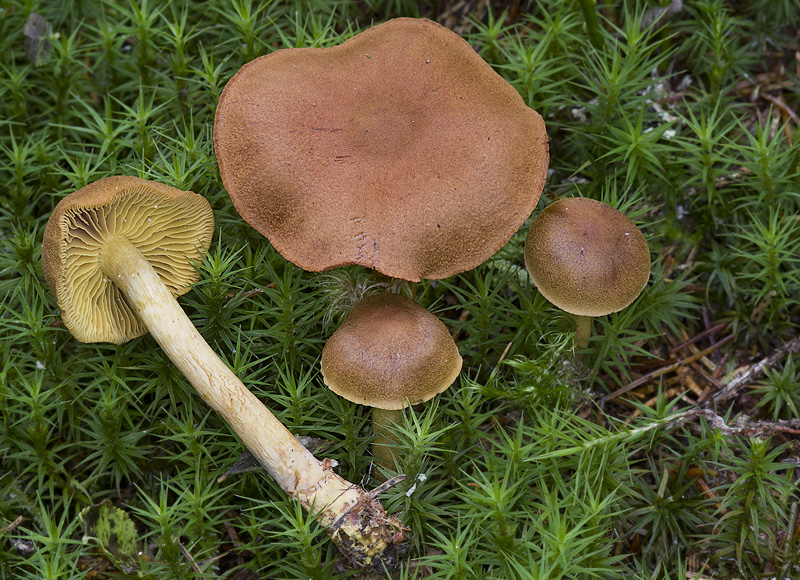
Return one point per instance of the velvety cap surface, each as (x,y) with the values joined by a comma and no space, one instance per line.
(390,352)
(400,150)
(169,226)
(586,257)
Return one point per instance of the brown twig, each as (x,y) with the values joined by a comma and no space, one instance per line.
(698,474)
(10,527)
(781,104)
(461,318)
(688,380)
(387,484)
(738,382)
(652,402)
(249,293)
(505,352)
(188,556)
(698,336)
(710,379)
(743,427)
(667,369)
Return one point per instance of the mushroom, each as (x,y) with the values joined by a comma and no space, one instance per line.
(116,254)
(588,259)
(400,150)
(389,353)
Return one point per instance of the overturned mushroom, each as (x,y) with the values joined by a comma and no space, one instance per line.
(115,254)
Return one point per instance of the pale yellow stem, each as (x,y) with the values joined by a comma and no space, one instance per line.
(290,464)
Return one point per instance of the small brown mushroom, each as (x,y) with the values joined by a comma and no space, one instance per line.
(115,254)
(389,353)
(587,258)
(400,150)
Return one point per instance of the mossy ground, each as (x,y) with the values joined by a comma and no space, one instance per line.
(642,461)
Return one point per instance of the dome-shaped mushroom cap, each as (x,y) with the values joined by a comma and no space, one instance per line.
(400,150)
(586,257)
(169,226)
(388,353)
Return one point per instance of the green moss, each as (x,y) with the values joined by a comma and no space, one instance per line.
(516,471)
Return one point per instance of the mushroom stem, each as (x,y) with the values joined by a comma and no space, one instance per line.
(583,330)
(383,440)
(342,507)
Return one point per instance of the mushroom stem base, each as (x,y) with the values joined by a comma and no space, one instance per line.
(355,521)
(583,330)
(384,442)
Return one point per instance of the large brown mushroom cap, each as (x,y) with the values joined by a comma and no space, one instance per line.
(399,150)
(390,352)
(586,257)
(169,227)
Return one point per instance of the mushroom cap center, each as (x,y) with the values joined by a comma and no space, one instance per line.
(386,129)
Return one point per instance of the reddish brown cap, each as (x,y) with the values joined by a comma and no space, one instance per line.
(586,257)
(168,226)
(399,150)
(390,352)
